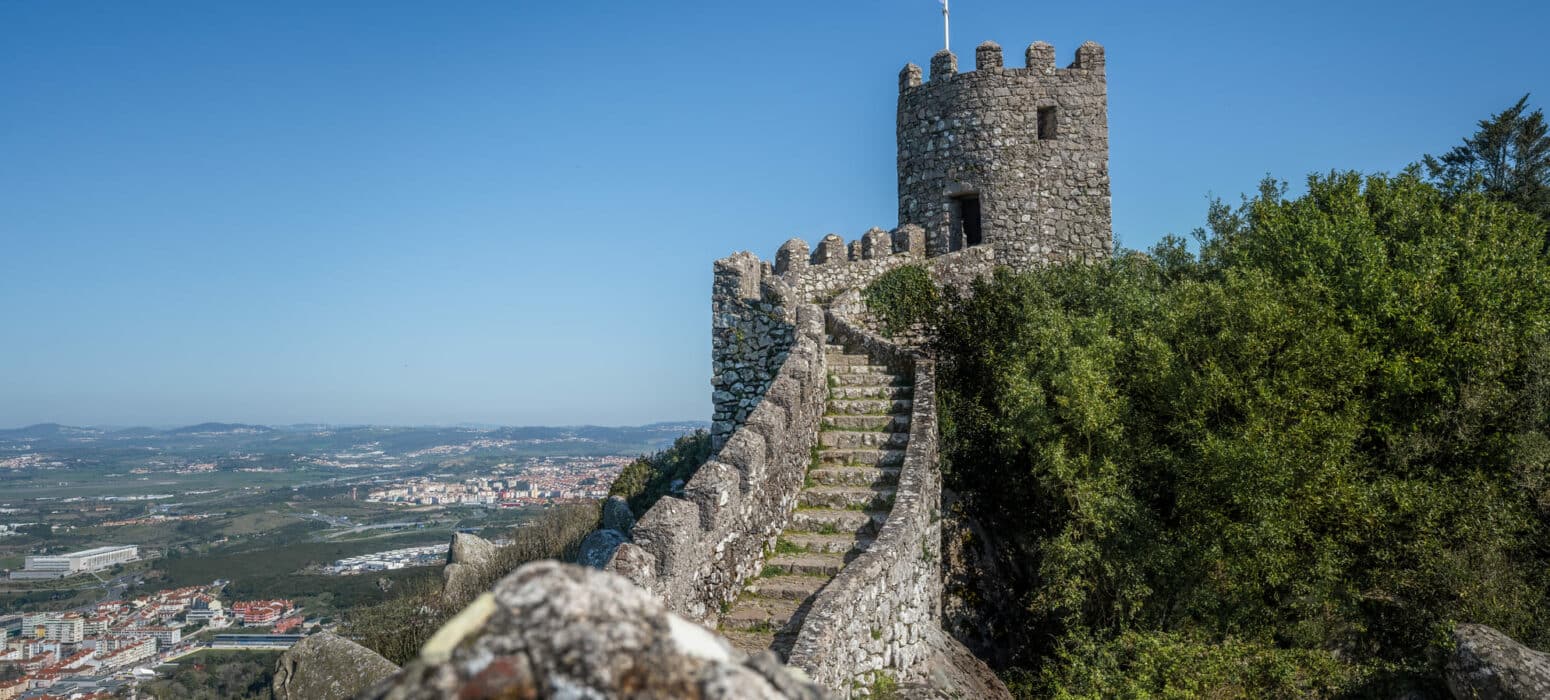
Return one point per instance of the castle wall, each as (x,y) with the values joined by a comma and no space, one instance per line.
(883,610)
(751,334)
(697,549)
(1041,199)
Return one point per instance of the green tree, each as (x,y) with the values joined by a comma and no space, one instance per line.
(650,477)
(1281,466)
(1508,157)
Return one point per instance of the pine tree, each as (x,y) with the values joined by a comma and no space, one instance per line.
(1508,158)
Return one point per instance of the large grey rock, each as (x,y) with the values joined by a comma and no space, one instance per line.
(950,670)
(599,546)
(617,515)
(558,630)
(1487,665)
(633,563)
(467,559)
(328,667)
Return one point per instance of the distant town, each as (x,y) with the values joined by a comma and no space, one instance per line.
(542,480)
(98,648)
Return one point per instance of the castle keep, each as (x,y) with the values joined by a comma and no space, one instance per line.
(814,530)
(1015,158)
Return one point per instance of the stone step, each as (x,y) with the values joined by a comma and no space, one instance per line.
(847,497)
(869,379)
(760,614)
(787,587)
(826,521)
(848,545)
(856,439)
(869,407)
(860,457)
(882,424)
(749,642)
(871,392)
(858,369)
(807,564)
(840,359)
(854,476)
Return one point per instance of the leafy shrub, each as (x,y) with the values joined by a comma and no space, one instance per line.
(1311,446)
(651,477)
(902,297)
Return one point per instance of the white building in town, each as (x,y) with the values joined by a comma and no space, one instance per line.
(62,565)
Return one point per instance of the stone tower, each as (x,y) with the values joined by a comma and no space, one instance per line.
(1013,158)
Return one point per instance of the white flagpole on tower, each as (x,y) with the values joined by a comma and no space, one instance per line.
(947,39)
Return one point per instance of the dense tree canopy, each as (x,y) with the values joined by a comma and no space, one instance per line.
(1279,465)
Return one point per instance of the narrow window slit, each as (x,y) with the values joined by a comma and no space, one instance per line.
(1047,124)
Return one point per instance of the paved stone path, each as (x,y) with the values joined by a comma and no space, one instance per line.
(849,491)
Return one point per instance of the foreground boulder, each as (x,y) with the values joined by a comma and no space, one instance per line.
(328,667)
(1487,665)
(467,557)
(559,630)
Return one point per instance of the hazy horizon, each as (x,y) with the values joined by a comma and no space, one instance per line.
(344,424)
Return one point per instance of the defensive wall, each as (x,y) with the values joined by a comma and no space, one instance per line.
(997,167)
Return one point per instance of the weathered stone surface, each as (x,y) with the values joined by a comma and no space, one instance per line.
(328,667)
(467,557)
(635,564)
(469,549)
(977,601)
(556,630)
(950,670)
(1489,665)
(599,547)
(617,515)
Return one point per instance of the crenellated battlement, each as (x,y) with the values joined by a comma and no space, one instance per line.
(1039,60)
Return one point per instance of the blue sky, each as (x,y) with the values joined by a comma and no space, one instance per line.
(506,212)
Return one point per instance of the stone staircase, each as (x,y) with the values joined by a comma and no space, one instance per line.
(847,496)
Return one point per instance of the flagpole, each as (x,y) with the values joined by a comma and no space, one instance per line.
(947,40)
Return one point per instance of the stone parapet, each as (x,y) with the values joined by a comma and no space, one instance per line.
(696,550)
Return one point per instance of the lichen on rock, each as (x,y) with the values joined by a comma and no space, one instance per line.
(328,667)
(563,630)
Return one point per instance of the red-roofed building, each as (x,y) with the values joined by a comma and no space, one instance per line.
(130,653)
(260,612)
(10,690)
(290,623)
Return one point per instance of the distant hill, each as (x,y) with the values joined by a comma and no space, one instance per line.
(215,439)
(219,429)
(44,431)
